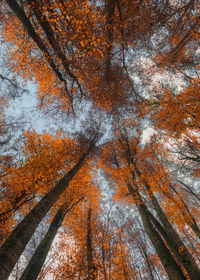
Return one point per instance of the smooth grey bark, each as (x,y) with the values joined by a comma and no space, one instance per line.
(172,238)
(36,263)
(170,265)
(175,243)
(18,239)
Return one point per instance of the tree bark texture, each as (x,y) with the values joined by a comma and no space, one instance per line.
(173,240)
(176,245)
(18,239)
(170,265)
(37,261)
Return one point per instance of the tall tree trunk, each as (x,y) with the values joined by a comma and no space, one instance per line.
(104,260)
(124,263)
(149,265)
(90,261)
(19,12)
(16,242)
(35,264)
(174,241)
(37,261)
(171,267)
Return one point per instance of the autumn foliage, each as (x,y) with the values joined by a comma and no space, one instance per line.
(118,197)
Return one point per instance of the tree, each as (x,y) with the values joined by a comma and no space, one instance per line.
(11,127)
(43,160)
(130,157)
(90,261)
(35,264)
(124,60)
(18,239)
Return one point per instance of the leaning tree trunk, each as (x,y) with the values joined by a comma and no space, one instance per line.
(176,245)
(18,239)
(174,241)
(171,267)
(37,261)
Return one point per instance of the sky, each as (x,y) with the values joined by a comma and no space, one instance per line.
(27,106)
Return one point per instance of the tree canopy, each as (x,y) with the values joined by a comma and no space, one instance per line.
(115,197)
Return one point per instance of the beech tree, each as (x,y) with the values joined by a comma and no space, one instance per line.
(135,65)
(127,161)
(35,264)
(27,226)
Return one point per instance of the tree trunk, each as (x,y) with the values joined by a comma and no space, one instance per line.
(175,243)
(16,242)
(124,264)
(90,261)
(103,260)
(148,262)
(35,264)
(37,261)
(171,267)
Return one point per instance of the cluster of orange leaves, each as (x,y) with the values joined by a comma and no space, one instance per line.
(177,113)
(44,160)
